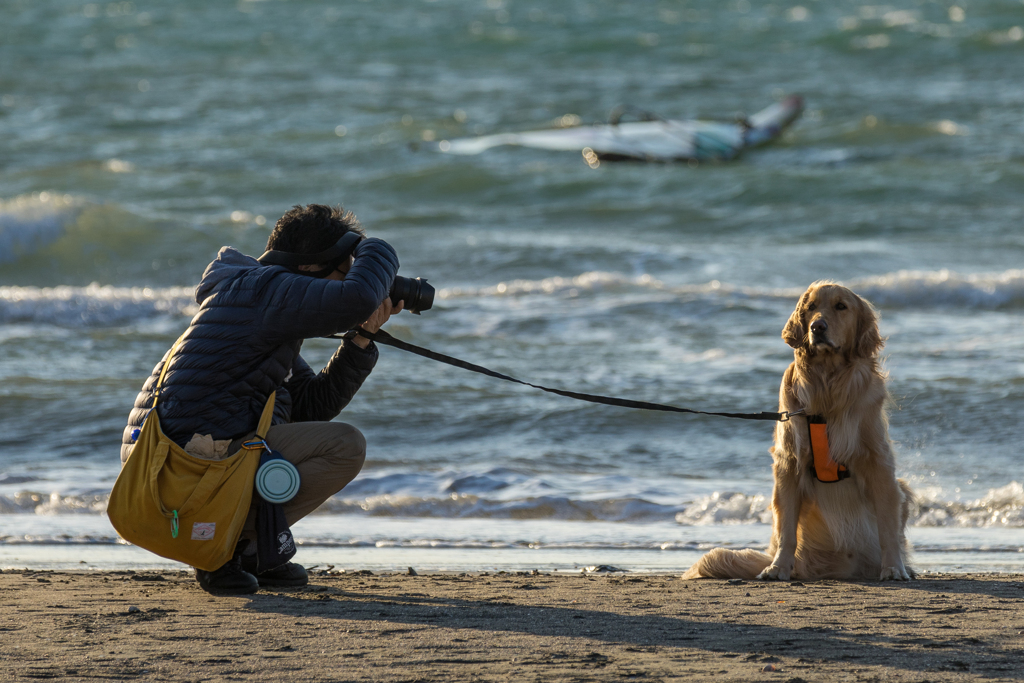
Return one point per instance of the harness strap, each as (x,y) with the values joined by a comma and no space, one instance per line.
(825,469)
(382,337)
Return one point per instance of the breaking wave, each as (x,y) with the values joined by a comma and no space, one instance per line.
(30,222)
(103,305)
(999,508)
(903,289)
(1002,507)
(944,288)
(94,305)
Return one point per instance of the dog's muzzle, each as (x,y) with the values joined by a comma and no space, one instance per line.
(819,336)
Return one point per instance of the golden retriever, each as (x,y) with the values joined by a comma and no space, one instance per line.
(852,528)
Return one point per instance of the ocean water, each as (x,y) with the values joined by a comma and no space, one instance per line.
(136,138)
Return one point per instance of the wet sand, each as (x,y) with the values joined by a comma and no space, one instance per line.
(357,626)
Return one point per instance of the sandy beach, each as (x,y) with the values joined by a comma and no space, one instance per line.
(360,626)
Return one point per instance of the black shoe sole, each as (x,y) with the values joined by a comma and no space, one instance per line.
(283,583)
(230,591)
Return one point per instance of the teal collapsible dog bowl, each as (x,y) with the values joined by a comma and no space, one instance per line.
(277,481)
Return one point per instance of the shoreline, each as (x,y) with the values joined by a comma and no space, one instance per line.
(383,626)
(390,558)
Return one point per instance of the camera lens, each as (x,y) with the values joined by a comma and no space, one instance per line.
(416,292)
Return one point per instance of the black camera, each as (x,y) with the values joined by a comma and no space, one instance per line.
(417,294)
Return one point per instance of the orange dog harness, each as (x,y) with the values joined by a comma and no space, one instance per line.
(824,467)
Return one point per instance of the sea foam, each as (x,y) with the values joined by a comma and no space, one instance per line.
(92,306)
(904,289)
(97,305)
(1001,507)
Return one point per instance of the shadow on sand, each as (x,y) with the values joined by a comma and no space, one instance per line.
(931,647)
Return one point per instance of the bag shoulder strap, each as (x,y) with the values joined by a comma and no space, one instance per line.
(167,364)
(266,417)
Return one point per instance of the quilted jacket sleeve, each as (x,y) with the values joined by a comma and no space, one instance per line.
(321,396)
(300,307)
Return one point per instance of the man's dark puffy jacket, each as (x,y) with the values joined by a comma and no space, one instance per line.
(244,344)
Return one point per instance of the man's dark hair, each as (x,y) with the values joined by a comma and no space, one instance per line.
(312,228)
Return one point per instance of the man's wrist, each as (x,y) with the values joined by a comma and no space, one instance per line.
(353,337)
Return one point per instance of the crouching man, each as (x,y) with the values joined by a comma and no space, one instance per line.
(244,345)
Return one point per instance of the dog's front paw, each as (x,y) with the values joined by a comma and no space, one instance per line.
(894,574)
(774,573)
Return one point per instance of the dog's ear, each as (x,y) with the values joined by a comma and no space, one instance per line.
(869,340)
(795,331)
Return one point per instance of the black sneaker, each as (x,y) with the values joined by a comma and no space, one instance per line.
(229,579)
(288,574)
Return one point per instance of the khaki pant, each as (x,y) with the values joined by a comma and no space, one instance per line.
(328,456)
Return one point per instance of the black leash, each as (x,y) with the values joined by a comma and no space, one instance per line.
(382,337)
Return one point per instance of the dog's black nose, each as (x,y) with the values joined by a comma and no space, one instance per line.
(819,326)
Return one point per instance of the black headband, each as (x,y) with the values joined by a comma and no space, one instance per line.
(331,257)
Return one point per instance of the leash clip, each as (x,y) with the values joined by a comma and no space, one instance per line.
(785,415)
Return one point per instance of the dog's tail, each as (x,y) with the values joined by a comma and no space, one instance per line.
(721,563)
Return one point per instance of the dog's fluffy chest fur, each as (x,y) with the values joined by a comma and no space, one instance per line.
(849,398)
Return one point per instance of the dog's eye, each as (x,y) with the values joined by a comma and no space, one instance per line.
(840,306)
(811,306)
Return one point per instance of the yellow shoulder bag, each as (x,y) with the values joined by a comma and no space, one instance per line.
(182,507)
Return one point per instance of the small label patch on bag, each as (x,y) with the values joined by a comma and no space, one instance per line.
(203,531)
